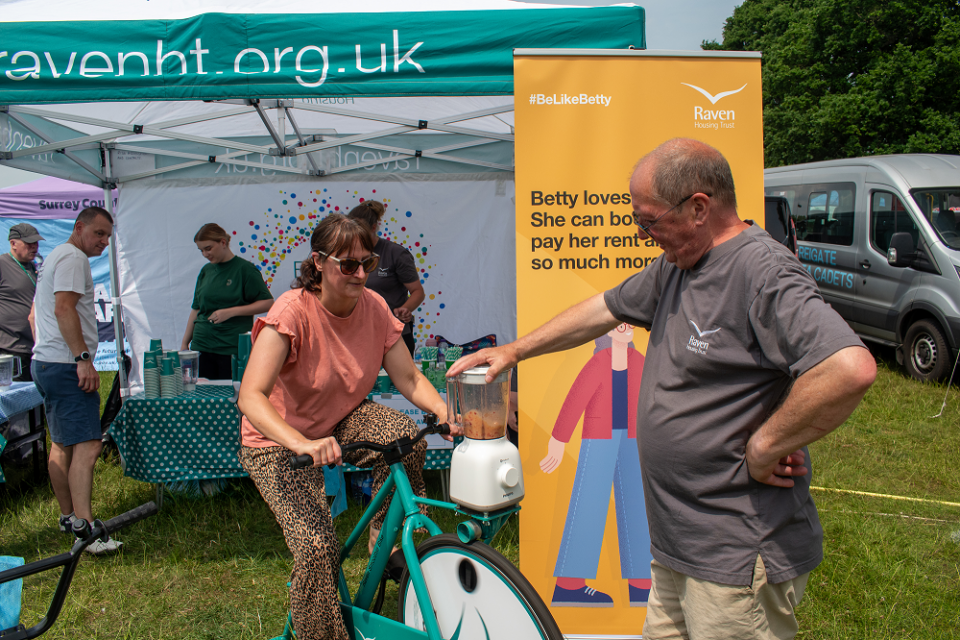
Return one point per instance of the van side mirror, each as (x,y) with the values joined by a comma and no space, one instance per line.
(901,252)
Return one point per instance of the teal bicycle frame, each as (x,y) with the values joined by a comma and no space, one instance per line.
(402,519)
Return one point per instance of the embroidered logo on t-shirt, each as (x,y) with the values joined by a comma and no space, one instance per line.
(382,273)
(698,345)
(229,282)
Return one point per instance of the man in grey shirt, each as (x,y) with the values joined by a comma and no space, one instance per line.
(746,365)
(18,283)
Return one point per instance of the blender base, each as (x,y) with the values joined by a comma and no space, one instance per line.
(486,475)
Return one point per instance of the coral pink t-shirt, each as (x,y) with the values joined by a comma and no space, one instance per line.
(333,362)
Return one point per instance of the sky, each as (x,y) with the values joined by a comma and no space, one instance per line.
(674,24)
(671,25)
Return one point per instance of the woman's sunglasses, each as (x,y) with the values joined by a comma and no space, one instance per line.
(349,266)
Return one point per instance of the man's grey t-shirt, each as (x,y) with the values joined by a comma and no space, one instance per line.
(727,338)
(17,286)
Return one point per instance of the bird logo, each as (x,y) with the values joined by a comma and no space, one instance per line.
(704,334)
(714,99)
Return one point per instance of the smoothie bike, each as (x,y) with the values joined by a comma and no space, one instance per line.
(453,586)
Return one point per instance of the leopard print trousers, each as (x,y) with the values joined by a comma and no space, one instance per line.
(299,503)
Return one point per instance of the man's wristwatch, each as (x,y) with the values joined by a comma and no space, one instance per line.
(83,356)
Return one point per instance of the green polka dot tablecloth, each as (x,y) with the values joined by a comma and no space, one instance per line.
(194,436)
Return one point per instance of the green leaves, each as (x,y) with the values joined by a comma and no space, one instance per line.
(847,78)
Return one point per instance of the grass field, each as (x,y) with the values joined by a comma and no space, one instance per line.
(217,567)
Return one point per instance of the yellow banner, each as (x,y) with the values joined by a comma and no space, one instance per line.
(582,122)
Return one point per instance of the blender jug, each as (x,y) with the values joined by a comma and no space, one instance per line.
(485,471)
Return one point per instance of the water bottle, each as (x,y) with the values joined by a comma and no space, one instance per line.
(442,356)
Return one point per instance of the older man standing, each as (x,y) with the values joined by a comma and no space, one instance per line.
(18,283)
(66,330)
(746,365)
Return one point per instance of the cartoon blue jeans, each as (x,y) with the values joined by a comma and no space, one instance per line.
(602,464)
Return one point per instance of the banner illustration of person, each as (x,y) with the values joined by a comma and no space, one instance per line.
(605,392)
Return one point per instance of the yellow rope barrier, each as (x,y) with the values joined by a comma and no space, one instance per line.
(883,495)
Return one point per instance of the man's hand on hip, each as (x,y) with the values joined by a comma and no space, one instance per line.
(778,473)
(89,378)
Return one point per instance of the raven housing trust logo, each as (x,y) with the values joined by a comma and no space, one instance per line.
(707,118)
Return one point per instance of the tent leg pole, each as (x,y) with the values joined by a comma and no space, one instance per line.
(118,332)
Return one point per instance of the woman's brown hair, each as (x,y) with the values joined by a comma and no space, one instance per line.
(334,234)
(211,231)
(369,212)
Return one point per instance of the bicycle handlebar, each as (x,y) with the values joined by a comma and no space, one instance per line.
(87,535)
(306,460)
(125,519)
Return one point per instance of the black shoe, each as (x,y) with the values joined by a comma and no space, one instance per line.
(66,523)
(395,566)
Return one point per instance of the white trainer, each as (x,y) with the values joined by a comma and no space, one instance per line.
(100,548)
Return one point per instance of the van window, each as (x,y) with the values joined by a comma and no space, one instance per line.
(887,217)
(828,218)
(942,208)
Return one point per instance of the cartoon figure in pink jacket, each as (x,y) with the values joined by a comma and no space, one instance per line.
(605,393)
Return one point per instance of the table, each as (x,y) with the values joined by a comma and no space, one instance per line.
(193,436)
(20,398)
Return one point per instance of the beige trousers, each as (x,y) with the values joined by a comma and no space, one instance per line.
(694,609)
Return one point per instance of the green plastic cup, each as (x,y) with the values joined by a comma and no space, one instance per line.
(166,367)
(149,360)
(155,344)
(244,344)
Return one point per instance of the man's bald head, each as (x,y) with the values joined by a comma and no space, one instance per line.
(683,166)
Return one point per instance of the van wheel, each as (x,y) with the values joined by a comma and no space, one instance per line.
(925,351)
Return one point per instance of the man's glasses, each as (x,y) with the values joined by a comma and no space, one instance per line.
(646,227)
(349,266)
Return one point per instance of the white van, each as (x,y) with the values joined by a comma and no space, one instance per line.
(846,213)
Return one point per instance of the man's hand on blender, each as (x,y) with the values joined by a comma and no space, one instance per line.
(499,359)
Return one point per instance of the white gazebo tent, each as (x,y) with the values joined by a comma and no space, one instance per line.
(123,94)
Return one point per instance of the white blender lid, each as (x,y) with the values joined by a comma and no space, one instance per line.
(478,375)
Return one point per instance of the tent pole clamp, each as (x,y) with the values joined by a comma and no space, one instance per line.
(422,124)
(138,129)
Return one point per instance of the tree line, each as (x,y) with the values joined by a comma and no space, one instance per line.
(848,78)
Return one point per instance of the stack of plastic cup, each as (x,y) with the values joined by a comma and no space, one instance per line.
(177,370)
(383,382)
(244,345)
(151,376)
(168,383)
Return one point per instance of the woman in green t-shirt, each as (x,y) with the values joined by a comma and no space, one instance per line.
(229,292)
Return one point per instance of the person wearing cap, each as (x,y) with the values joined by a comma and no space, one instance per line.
(18,283)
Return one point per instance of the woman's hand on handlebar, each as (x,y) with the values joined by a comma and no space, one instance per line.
(323,451)
(454,431)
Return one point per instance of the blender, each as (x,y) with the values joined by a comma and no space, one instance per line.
(485,471)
